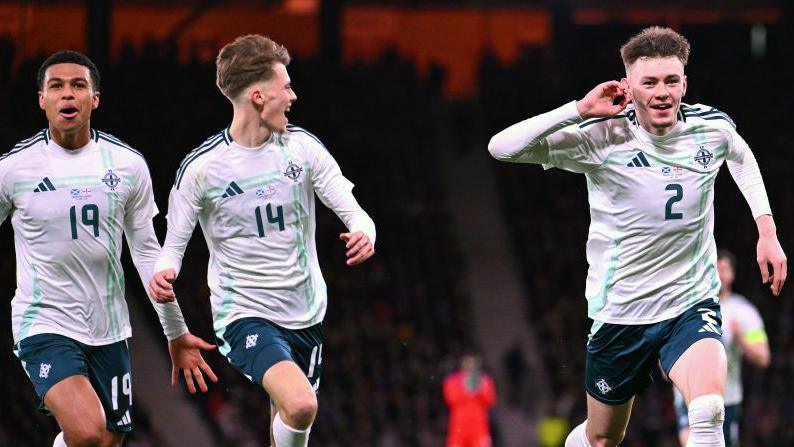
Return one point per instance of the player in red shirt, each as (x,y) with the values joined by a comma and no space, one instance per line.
(469,393)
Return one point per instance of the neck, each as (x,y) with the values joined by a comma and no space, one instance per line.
(72,140)
(247,128)
(725,293)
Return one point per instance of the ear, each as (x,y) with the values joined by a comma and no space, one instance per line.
(95,101)
(41,100)
(625,83)
(683,82)
(255,96)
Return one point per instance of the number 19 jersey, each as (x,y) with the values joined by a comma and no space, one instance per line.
(69,209)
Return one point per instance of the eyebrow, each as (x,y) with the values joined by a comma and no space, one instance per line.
(666,77)
(70,79)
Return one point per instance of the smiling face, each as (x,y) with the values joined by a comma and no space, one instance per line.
(656,86)
(68,98)
(274,98)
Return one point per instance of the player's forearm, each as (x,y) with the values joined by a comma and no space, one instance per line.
(513,143)
(337,194)
(145,251)
(766,226)
(182,217)
(757,353)
(747,175)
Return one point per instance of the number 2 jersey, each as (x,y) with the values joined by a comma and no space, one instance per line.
(256,210)
(68,210)
(650,246)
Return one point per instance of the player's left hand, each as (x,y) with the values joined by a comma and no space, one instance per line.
(769,252)
(185,352)
(359,247)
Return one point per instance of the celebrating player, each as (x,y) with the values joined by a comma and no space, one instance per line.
(252,187)
(71,191)
(652,286)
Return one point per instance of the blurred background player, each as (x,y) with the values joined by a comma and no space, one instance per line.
(652,289)
(743,334)
(252,187)
(469,394)
(72,191)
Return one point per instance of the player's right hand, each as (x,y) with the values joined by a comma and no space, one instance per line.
(161,287)
(605,100)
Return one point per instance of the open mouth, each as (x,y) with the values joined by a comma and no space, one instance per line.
(68,112)
(662,106)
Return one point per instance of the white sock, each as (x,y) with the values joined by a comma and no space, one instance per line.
(706,416)
(286,436)
(578,437)
(59,442)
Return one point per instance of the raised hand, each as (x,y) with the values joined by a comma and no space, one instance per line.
(185,352)
(605,100)
(359,247)
(161,286)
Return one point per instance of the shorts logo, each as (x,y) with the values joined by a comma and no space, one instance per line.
(704,156)
(44,370)
(710,323)
(250,340)
(603,386)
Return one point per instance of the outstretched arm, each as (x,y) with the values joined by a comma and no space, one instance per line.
(525,142)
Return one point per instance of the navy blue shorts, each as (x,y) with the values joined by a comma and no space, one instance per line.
(253,345)
(730,428)
(50,358)
(620,358)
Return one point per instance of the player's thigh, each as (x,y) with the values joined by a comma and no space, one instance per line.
(111,376)
(607,422)
(288,387)
(76,407)
(694,357)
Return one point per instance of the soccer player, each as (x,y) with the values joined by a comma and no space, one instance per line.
(72,191)
(469,394)
(652,286)
(252,187)
(744,334)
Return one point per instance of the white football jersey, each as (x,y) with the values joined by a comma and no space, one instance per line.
(68,210)
(737,310)
(651,246)
(256,210)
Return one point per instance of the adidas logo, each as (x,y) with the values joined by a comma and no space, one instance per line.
(45,185)
(232,190)
(126,419)
(639,161)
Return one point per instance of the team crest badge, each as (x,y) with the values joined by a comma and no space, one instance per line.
(603,386)
(111,180)
(704,156)
(293,171)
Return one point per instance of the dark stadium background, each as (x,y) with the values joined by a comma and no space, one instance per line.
(405,94)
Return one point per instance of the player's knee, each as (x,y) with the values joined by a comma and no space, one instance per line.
(87,436)
(706,413)
(299,412)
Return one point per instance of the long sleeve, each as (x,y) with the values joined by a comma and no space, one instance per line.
(145,249)
(336,192)
(183,209)
(745,172)
(524,142)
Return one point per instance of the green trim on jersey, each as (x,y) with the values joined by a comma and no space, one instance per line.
(113,274)
(215,192)
(594,328)
(33,309)
(596,303)
(219,325)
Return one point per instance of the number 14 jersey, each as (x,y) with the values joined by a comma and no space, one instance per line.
(256,210)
